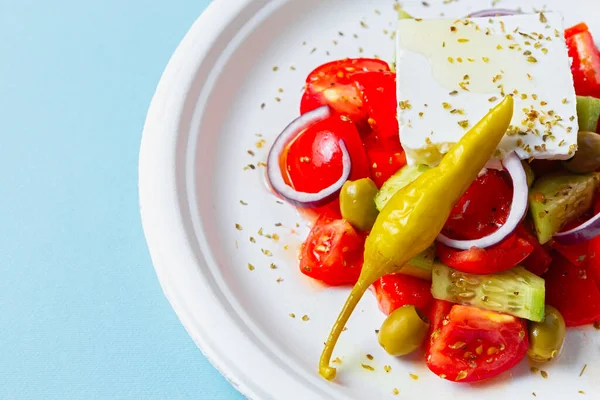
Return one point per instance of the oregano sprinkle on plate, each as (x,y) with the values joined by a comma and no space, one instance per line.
(367,367)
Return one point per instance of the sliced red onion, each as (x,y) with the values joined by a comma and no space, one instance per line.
(303,199)
(582,233)
(518,208)
(494,12)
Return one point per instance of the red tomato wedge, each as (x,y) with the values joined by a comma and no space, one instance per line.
(333,252)
(333,84)
(586,61)
(385,156)
(379,98)
(482,209)
(505,255)
(477,344)
(574,30)
(437,314)
(397,290)
(573,291)
(540,259)
(313,161)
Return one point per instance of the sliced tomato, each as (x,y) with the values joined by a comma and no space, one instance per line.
(577,254)
(482,209)
(586,61)
(540,259)
(477,344)
(333,252)
(313,161)
(397,290)
(573,291)
(385,156)
(379,98)
(438,313)
(332,84)
(505,255)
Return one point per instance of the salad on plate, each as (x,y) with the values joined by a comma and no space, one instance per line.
(459,185)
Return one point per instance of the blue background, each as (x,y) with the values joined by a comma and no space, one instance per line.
(82,314)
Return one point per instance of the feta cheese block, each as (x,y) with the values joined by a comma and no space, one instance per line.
(450,73)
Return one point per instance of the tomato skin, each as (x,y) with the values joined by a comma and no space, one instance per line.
(379,98)
(333,252)
(483,209)
(586,61)
(502,341)
(313,161)
(573,291)
(385,156)
(331,84)
(505,255)
(540,259)
(397,290)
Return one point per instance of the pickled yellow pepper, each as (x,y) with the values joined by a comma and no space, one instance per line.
(412,219)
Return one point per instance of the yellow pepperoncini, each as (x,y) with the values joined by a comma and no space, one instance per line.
(414,216)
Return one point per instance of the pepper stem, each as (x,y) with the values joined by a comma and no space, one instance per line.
(325,370)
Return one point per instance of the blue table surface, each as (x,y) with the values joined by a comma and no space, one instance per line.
(82,315)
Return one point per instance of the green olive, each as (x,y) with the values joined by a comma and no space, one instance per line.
(403,331)
(546,338)
(357,203)
(587,157)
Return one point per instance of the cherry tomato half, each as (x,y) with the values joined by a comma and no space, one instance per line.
(482,209)
(333,252)
(573,291)
(313,161)
(379,97)
(477,344)
(397,290)
(438,312)
(332,84)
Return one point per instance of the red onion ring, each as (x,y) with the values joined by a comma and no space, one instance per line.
(582,233)
(303,199)
(493,12)
(518,208)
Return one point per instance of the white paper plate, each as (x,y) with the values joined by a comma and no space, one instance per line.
(204,118)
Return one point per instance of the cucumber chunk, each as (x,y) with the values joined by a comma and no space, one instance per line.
(559,198)
(421,265)
(400,179)
(517,291)
(588,113)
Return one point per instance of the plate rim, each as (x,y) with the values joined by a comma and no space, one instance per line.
(162,190)
(211,22)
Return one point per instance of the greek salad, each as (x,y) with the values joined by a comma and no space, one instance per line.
(459,185)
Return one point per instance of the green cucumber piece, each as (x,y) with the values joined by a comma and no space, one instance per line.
(400,179)
(588,113)
(558,198)
(420,266)
(516,292)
